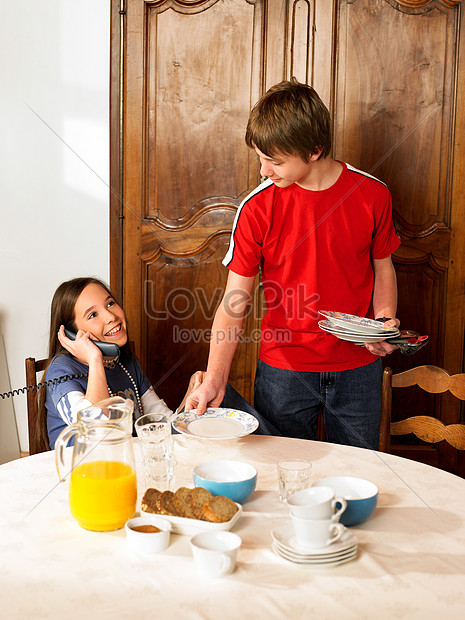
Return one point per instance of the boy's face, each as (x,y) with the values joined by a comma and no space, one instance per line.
(284,170)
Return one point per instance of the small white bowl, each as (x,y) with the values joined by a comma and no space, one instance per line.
(148,542)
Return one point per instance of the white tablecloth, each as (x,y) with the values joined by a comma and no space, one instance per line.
(411,561)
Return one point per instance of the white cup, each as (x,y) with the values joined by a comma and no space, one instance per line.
(215,553)
(316,533)
(316,503)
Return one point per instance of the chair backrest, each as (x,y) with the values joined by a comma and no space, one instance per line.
(33,367)
(435,381)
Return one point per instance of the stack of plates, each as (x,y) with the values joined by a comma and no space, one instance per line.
(285,544)
(355,329)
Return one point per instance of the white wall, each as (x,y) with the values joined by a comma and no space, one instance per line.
(54,165)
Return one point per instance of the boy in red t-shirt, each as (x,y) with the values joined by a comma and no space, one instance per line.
(322,234)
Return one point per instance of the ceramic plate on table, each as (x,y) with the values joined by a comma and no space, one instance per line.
(190,527)
(350,321)
(316,562)
(284,538)
(215,423)
(329,557)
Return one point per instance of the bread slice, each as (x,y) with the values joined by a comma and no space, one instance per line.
(169,504)
(218,510)
(149,500)
(184,496)
(199,496)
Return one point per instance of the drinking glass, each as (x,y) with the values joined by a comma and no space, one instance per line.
(157,445)
(293,476)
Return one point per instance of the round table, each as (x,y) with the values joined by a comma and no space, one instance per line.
(410,564)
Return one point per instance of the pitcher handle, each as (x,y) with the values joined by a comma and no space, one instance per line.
(61,443)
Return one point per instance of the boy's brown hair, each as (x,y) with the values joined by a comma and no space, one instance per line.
(291,119)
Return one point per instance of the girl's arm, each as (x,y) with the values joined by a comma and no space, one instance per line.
(384,302)
(86,352)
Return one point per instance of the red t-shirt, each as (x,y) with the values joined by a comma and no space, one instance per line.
(314,249)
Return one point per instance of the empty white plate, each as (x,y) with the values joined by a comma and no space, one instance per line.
(216,423)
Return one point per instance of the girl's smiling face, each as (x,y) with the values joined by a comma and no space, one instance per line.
(97,312)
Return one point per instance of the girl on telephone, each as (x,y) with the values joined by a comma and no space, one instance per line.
(87,307)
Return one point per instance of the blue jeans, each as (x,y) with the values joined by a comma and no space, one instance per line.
(234,400)
(350,401)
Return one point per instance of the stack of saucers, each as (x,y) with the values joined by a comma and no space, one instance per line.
(286,545)
(355,329)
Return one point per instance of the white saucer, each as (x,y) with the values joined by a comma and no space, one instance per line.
(284,538)
(316,562)
(316,558)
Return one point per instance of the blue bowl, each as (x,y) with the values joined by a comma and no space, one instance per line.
(233,479)
(361,497)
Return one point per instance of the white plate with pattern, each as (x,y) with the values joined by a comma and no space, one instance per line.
(215,423)
(328,326)
(351,322)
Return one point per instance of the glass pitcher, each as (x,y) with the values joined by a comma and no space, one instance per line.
(102,489)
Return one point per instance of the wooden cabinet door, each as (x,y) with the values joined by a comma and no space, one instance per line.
(398,110)
(185,74)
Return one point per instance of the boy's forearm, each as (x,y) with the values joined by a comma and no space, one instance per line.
(385,290)
(225,336)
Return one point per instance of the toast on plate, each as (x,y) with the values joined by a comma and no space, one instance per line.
(197,503)
(219,509)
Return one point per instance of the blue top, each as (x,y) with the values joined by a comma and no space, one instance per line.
(58,403)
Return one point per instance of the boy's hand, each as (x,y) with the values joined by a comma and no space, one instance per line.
(206,395)
(383,348)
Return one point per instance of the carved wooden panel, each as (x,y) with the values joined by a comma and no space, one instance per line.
(395,103)
(200,64)
(199,71)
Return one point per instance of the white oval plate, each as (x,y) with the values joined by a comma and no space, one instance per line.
(215,423)
(189,527)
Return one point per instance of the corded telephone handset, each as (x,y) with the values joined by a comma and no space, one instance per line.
(108,349)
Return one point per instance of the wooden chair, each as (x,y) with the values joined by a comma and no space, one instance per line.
(33,367)
(435,381)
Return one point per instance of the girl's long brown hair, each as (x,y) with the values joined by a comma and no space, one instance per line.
(61,313)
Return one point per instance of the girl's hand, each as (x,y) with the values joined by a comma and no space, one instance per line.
(82,348)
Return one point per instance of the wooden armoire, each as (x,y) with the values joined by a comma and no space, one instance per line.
(184,76)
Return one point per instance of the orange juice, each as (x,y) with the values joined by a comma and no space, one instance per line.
(102,494)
